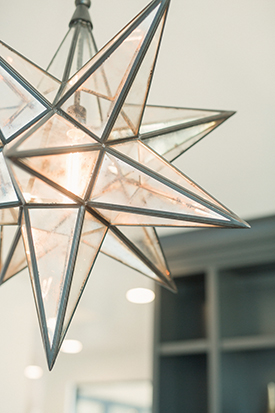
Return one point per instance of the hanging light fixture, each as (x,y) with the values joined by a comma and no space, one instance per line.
(85,164)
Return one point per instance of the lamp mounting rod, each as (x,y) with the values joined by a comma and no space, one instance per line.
(81,12)
(86,3)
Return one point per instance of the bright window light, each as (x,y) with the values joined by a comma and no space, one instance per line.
(71,346)
(140,296)
(33,372)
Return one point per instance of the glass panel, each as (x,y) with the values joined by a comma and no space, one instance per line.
(17,106)
(146,157)
(134,104)
(91,238)
(127,218)
(172,144)
(95,109)
(58,63)
(7,192)
(110,44)
(56,132)
(36,191)
(52,234)
(85,49)
(100,91)
(124,128)
(120,184)
(18,261)
(71,171)
(117,249)
(9,216)
(37,77)
(6,240)
(30,267)
(161,117)
(146,240)
(7,233)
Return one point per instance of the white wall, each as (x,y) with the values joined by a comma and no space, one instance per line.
(216,54)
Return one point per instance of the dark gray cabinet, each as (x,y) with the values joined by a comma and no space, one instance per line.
(214,341)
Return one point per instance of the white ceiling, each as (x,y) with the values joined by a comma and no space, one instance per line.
(215,55)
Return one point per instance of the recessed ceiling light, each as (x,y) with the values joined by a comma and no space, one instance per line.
(33,372)
(71,346)
(140,295)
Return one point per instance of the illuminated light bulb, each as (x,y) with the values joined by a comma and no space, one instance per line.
(140,296)
(33,372)
(71,347)
(9,59)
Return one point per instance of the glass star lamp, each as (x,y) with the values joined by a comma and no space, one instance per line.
(85,164)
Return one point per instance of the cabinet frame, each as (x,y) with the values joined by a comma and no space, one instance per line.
(212,252)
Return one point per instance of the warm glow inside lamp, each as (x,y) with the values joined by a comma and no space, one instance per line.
(85,164)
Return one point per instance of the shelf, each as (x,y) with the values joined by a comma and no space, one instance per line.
(245,376)
(248,343)
(183,347)
(247,301)
(183,384)
(183,315)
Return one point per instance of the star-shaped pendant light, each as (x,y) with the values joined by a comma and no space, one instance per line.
(83,158)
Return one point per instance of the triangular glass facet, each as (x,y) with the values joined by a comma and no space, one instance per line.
(37,77)
(113,44)
(104,85)
(6,237)
(146,240)
(91,238)
(118,183)
(18,107)
(140,153)
(94,108)
(84,49)
(71,171)
(55,132)
(15,260)
(35,191)
(133,106)
(172,144)
(9,216)
(52,232)
(157,118)
(79,40)
(57,65)
(7,192)
(116,248)
(30,263)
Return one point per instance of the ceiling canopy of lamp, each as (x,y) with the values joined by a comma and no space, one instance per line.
(85,164)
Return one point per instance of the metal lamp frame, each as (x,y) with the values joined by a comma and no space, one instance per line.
(102,146)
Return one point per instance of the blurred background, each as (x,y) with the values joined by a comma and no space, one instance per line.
(214,55)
